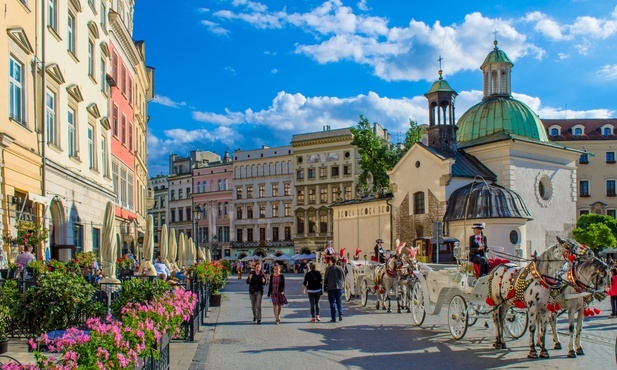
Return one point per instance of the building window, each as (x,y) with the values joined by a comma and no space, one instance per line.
(287,210)
(249,192)
(275,234)
(287,189)
(104,156)
(275,190)
(347,194)
(114,120)
(554,132)
(312,196)
(130,91)
(114,66)
(323,195)
(249,235)
(239,213)
(173,195)
(583,212)
(610,188)
(262,234)
(578,131)
(584,188)
(180,193)
(311,173)
(123,130)
(334,171)
(16,90)
(90,58)
(336,194)
(312,224)
(584,158)
(347,169)
(52,21)
(262,191)
(129,192)
(611,212)
(123,187)
(115,179)
(299,174)
(103,76)
(275,210)
(96,241)
(239,235)
(103,15)
(123,82)
(78,237)
(180,215)
(300,224)
(50,118)
(71,33)
(130,142)
(249,212)
(72,136)
(418,203)
(91,157)
(287,232)
(323,172)
(262,211)
(607,131)
(238,193)
(300,198)
(610,157)
(323,224)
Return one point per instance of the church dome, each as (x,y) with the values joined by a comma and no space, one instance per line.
(441,85)
(499,113)
(480,200)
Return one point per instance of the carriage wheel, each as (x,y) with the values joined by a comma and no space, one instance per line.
(457,317)
(347,291)
(515,323)
(364,293)
(418,312)
(472,315)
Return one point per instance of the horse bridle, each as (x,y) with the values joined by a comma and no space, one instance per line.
(574,280)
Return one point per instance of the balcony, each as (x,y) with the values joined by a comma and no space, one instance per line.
(263,244)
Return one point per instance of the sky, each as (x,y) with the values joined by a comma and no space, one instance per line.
(239,74)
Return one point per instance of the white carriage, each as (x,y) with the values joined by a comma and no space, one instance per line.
(355,274)
(457,287)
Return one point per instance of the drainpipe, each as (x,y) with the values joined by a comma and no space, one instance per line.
(391,223)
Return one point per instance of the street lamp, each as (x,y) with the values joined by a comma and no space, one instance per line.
(198,214)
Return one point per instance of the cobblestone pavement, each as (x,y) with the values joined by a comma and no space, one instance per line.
(370,339)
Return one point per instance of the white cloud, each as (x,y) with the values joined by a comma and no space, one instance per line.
(535,104)
(274,71)
(362,5)
(230,70)
(608,72)
(163,100)
(215,28)
(203,10)
(583,26)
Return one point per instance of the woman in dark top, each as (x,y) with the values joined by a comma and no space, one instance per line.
(313,285)
(256,282)
(276,292)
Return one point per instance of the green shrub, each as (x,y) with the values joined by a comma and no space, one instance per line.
(138,291)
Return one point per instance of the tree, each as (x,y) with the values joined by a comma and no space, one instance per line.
(596,231)
(377,155)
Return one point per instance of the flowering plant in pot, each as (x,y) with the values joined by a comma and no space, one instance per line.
(28,233)
(212,272)
(4,326)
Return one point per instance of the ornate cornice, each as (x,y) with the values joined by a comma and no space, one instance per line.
(122,34)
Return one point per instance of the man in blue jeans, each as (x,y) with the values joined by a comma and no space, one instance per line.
(334,283)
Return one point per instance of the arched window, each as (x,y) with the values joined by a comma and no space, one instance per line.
(211,185)
(284,171)
(220,209)
(253,172)
(578,131)
(271,169)
(220,185)
(277,168)
(225,208)
(235,172)
(503,81)
(554,132)
(226,184)
(199,186)
(259,173)
(607,131)
(494,82)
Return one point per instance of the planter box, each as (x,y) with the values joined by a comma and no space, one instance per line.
(215,300)
(4,346)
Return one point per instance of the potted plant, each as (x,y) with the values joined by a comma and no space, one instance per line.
(28,233)
(4,325)
(213,273)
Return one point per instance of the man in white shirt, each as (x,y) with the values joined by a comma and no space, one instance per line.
(162,271)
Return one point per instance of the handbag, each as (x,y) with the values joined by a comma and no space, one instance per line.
(283,299)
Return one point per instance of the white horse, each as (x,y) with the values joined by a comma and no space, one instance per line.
(528,287)
(386,278)
(586,280)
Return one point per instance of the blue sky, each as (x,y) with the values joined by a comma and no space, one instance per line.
(242,74)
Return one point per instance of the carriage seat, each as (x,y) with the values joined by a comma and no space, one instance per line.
(492,262)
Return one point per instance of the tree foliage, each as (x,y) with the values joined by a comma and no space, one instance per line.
(377,155)
(596,231)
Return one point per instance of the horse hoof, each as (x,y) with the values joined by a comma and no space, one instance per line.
(544,354)
(571,354)
(580,352)
(557,346)
(503,346)
(532,355)
(498,345)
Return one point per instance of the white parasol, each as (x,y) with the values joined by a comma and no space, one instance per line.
(109,247)
(173,250)
(181,250)
(201,255)
(163,247)
(146,268)
(208,255)
(190,254)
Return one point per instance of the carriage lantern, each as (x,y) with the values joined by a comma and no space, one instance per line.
(457,250)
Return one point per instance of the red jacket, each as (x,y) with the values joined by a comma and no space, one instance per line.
(613,289)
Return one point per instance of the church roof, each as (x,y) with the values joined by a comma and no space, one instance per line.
(480,200)
(496,56)
(502,136)
(496,114)
(465,165)
(441,85)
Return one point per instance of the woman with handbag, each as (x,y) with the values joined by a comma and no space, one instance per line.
(276,292)
(313,284)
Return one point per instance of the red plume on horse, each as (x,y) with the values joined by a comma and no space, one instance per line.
(342,252)
(357,255)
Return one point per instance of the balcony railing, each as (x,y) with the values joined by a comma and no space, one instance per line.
(273,244)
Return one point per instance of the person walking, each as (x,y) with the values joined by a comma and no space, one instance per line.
(313,286)
(239,266)
(256,281)
(276,292)
(334,282)
(478,248)
(613,292)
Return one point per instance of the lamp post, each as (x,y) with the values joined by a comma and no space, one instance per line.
(198,213)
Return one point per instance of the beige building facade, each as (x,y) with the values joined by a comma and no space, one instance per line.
(326,171)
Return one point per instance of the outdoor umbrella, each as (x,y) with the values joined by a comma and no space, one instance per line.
(301,257)
(109,246)
(246,259)
(282,257)
(208,256)
(270,257)
(229,258)
(181,250)
(146,268)
(164,247)
(173,249)
(191,253)
(201,255)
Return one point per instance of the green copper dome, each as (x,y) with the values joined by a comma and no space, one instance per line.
(441,85)
(497,114)
(496,56)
